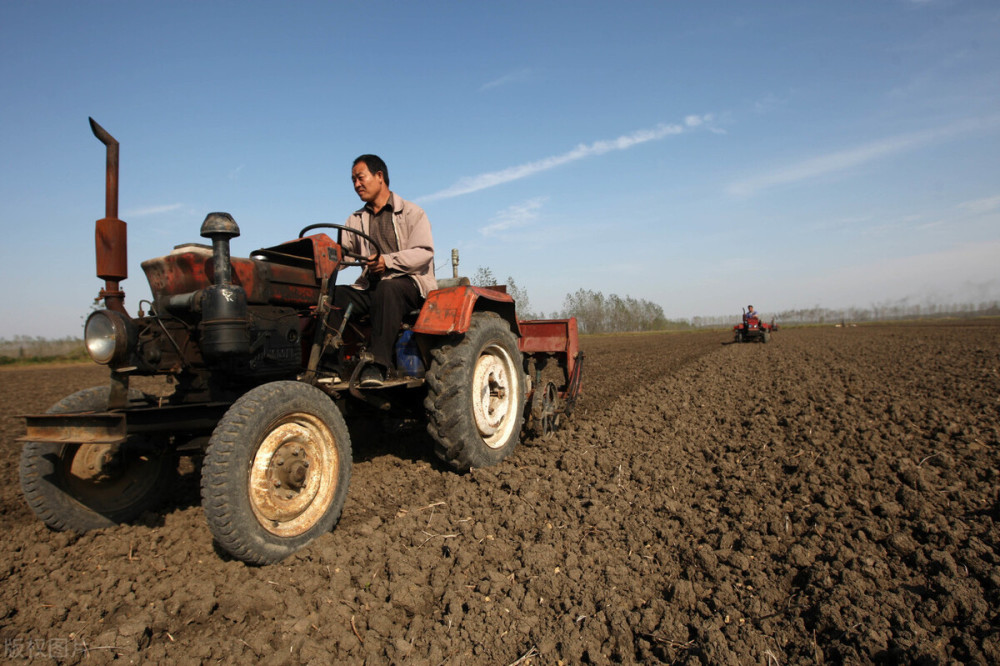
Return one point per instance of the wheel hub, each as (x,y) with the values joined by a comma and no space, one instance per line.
(97,463)
(109,477)
(494,390)
(290,476)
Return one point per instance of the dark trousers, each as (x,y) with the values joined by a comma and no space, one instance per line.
(386,303)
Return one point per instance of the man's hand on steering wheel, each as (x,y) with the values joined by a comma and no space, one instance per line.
(376,264)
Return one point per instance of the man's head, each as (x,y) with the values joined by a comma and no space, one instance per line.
(370,176)
(749,308)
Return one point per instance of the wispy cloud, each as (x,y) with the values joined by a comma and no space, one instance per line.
(767,104)
(515,216)
(837,224)
(895,226)
(494,178)
(986,205)
(153,210)
(235,173)
(853,157)
(511,77)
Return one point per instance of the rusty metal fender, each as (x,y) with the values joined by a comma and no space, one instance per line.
(450,310)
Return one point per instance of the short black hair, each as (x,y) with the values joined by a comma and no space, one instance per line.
(374,164)
(750,307)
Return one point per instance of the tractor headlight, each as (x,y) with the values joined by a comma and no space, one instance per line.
(107,337)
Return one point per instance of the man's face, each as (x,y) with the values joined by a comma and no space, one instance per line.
(366,184)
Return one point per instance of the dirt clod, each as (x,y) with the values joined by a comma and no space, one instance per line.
(830,497)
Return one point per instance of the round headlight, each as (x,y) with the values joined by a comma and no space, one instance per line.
(106,337)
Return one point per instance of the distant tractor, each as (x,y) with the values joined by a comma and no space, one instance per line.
(262,381)
(753,329)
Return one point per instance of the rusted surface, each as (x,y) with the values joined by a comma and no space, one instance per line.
(289,274)
(325,253)
(555,336)
(111,233)
(191,269)
(112,262)
(294,475)
(111,179)
(101,428)
(114,426)
(450,310)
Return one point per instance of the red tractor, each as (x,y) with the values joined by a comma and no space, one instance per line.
(753,329)
(261,384)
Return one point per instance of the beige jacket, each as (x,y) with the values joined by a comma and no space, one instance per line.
(413,235)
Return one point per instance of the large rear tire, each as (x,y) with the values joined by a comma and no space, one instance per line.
(475,394)
(82,487)
(276,472)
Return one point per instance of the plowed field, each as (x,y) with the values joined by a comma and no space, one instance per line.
(832,496)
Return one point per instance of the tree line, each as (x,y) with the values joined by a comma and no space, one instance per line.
(597,313)
(594,312)
(27,349)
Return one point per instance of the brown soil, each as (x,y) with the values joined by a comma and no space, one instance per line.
(829,497)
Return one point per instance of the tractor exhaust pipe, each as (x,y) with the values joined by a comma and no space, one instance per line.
(111,233)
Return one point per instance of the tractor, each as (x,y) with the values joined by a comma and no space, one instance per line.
(262,386)
(753,329)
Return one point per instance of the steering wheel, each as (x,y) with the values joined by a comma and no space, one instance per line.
(359,259)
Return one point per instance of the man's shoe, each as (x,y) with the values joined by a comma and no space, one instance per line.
(372,376)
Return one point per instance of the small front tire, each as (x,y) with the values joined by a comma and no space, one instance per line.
(276,472)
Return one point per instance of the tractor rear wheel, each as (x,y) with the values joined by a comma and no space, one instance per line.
(82,487)
(476,394)
(276,471)
(765,336)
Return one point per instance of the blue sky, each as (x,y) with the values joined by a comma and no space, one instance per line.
(700,155)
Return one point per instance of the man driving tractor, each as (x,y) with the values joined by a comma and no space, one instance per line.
(399,272)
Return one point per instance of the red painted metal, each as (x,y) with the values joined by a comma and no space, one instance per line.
(553,336)
(450,310)
(323,248)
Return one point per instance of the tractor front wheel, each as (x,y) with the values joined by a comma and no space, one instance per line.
(82,487)
(276,472)
(476,394)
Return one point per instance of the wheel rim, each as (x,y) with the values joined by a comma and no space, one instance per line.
(107,480)
(293,477)
(494,395)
